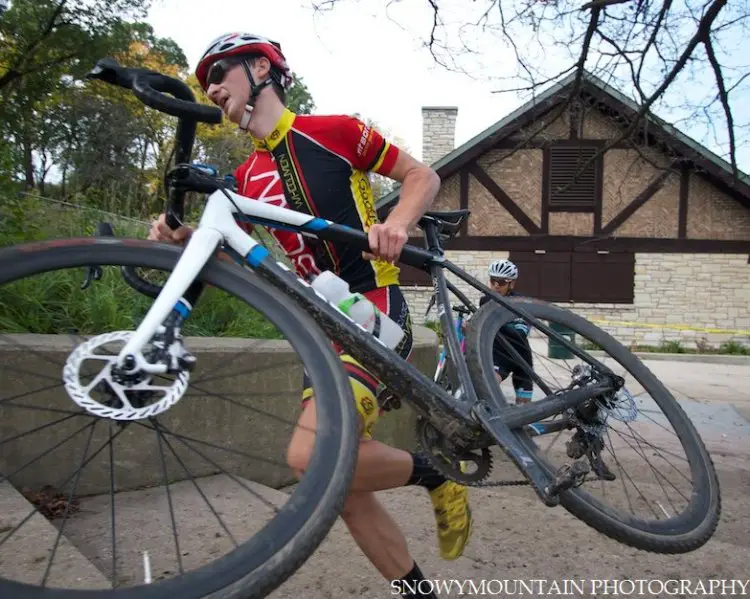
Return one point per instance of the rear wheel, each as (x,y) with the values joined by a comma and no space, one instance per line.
(93,497)
(624,438)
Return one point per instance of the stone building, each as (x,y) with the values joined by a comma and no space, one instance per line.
(649,235)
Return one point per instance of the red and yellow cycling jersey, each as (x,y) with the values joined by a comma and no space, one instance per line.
(319,165)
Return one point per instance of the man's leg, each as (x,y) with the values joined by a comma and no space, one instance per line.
(380,467)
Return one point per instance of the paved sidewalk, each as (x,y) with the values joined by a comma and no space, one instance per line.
(515,535)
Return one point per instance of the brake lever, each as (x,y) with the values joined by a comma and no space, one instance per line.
(94,273)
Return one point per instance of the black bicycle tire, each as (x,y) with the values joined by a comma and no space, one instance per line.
(698,522)
(316,503)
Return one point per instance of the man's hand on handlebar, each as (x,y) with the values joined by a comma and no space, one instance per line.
(161,232)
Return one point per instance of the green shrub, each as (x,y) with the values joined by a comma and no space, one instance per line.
(53,303)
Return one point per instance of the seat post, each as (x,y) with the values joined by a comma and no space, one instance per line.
(432,239)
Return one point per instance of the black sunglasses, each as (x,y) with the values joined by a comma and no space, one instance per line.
(219,70)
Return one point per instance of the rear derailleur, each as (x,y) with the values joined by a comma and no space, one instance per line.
(589,420)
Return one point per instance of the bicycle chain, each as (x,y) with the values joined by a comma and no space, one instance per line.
(450,473)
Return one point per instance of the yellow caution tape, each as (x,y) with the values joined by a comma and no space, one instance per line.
(678,327)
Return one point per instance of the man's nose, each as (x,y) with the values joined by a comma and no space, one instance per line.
(212,91)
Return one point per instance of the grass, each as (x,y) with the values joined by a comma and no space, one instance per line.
(53,303)
(675,347)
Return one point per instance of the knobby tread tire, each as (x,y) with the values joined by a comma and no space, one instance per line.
(260,565)
(695,526)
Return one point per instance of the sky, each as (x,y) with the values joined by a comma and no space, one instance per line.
(350,60)
(358,58)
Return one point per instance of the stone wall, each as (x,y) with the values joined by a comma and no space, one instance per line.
(474,263)
(241,405)
(682,291)
(438,132)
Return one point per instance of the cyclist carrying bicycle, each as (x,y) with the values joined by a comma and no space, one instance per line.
(503,275)
(319,165)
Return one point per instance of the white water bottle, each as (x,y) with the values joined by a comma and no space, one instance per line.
(358,308)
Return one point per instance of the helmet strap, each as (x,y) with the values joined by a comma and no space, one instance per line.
(255,89)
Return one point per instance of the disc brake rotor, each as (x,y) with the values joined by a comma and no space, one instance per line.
(129,395)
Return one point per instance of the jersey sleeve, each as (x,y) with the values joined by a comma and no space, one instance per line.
(365,147)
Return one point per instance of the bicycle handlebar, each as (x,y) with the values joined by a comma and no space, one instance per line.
(151,88)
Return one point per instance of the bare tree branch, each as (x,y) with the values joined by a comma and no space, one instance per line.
(724,97)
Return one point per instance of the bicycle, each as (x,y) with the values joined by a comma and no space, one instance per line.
(442,375)
(458,430)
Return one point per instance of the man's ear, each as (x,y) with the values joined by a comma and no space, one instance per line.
(264,66)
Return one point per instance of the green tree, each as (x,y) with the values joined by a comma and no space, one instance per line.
(43,38)
(45,47)
(299,99)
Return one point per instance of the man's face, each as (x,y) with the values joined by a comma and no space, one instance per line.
(502,286)
(229,88)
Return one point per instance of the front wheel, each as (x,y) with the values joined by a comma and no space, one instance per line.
(652,485)
(164,480)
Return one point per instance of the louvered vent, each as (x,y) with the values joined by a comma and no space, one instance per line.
(571,187)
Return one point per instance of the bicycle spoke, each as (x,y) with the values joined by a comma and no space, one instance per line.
(52,410)
(214,446)
(34,510)
(222,377)
(22,395)
(645,458)
(220,374)
(24,348)
(169,495)
(633,434)
(658,424)
(251,408)
(182,440)
(112,505)
(620,468)
(31,373)
(3,478)
(38,428)
(202,494)
(635,486)
(68,504)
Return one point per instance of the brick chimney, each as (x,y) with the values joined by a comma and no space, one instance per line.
(438,132)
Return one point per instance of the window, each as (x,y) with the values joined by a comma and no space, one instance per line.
(587,277)
(573,178)
(415,277)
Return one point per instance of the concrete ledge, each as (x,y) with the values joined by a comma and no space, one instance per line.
(261,381)
(704,358)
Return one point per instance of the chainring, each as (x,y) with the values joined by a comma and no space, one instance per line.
(446,461)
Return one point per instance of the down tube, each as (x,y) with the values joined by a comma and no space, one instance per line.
(402,378)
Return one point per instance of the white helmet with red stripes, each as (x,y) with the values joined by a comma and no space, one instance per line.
(237,46)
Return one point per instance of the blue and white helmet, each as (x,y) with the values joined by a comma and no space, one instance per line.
(503,269)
